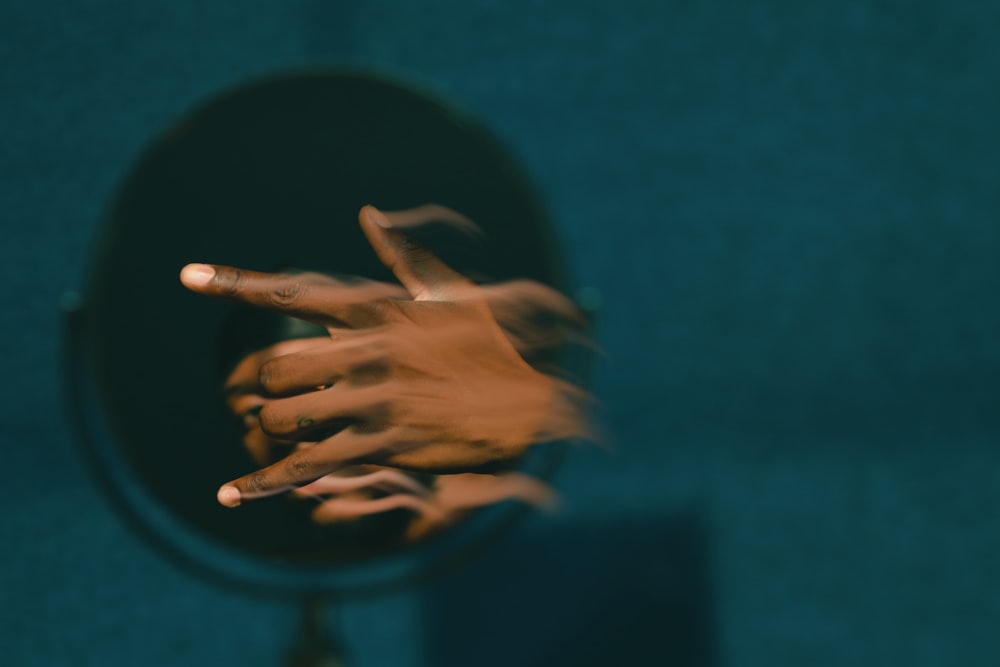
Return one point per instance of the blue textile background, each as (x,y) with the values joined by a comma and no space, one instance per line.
(791,210)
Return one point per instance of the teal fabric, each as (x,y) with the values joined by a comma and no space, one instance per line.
(791,211)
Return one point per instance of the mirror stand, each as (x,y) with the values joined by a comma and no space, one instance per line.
(315,645)
(295,148)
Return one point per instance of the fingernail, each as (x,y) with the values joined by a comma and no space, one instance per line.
(379,217)
(197,275)
(228,496)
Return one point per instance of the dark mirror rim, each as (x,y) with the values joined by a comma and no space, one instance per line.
(225,562)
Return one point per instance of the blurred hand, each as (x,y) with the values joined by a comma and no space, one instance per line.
(344,497)
(245,399)
(430,384)
(357,491)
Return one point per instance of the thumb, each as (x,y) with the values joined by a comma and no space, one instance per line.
(423,275)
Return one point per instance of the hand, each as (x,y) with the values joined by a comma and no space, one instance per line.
(245,399)
(347,496)
(534,318)
(430,384)
(358,491)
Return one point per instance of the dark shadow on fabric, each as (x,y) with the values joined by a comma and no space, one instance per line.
(628,592)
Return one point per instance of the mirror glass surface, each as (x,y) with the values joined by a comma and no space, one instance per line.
(271,176)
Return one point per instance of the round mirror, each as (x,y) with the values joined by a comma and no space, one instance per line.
(270,177)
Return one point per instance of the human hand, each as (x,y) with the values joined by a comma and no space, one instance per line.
(358,491)
(245,398)
(430,384)
(348,495)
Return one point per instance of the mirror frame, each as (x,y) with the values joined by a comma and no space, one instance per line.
(226,563)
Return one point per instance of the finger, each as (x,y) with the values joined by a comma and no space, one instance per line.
(534,316)
(527,298)
(307,465)
(241,384)
(428,213)
(475,490)
(384,480)
(264,449)
(292,418)
(320,365)
(446,458)
(244,380)
(423,275)
(344,509)
(325,302)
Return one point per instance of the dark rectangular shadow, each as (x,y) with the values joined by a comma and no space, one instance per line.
(623,592)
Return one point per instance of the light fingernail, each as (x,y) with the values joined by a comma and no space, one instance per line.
(379,218)
(228,496)
(197,275)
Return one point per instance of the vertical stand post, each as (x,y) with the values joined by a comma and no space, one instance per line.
(315,645)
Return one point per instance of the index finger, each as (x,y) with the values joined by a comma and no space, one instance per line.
(307,465)
(327,302)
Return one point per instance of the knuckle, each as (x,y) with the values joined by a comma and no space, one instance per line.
(287,293)
(258,482)
(392,408)
(231,282)
(372,371)
(380,310)
(272,421)
(298,467)
(268,377)
(375,361)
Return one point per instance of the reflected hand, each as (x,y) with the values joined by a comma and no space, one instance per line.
(452,497)
(245,399)
(430,384)
(358,491)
